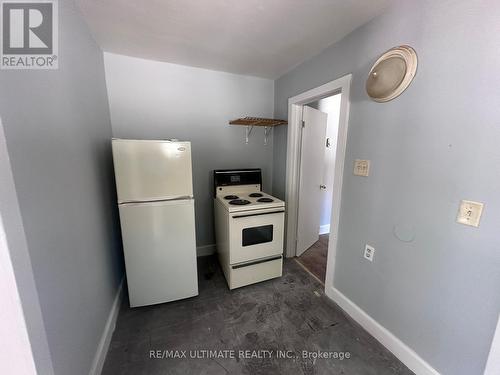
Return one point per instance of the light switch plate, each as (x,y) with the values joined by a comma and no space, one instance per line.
(361,167)
(470,213)
(369,252)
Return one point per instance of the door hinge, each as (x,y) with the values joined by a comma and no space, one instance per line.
(303,124)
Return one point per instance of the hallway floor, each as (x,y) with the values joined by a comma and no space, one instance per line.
(314,258)
(290,313)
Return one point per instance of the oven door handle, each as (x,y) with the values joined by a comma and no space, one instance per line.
(258,214)
(256,262)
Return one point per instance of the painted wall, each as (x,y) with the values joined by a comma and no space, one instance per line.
(433,282)
(155,100)
(58,132)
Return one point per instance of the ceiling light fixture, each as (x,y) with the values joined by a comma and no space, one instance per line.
(391,74)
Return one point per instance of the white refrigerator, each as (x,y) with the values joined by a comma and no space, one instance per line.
(155,200)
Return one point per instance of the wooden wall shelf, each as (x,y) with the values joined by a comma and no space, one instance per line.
(258,121)
(250,122)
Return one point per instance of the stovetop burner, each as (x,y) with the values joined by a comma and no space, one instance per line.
(239,202)
(231,197)
(255,195)
(265,200)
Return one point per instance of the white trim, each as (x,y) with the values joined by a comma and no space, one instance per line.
(292,177)
(109,328)
(345,102)
(324,229)
(493,364)
(404,353)
(205,250)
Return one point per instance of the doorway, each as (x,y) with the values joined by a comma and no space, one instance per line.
(317,166)
(298,106)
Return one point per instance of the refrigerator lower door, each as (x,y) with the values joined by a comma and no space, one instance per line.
(160,251)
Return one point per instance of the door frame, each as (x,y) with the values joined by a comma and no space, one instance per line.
(295,107)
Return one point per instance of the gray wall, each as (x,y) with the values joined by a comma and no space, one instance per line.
(436,144)
(58,131)
(150,99)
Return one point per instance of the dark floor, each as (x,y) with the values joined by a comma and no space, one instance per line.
(314,258)
(290,313)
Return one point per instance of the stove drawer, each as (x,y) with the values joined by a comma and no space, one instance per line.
(256,235)
(254,271)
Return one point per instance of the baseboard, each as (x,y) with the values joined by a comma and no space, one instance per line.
(202,251)
(405,354)
(102,348)
(324,229)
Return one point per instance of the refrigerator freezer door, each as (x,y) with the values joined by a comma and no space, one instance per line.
(152,170)
(160,251)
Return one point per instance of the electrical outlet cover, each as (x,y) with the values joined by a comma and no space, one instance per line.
(470,213)
(361,167)
(369,252)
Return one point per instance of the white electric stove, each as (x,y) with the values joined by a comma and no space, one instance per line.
(249,226)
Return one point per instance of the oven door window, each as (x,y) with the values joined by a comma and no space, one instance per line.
(256,235)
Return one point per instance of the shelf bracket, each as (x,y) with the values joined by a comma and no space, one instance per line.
(267,131)
(248,132)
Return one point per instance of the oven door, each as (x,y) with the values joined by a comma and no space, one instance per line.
(255,235)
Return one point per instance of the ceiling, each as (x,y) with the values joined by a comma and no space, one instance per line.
(264,38)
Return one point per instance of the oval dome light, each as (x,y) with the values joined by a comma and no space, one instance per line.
(391,74)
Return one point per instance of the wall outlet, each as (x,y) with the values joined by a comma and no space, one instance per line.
(361,167)
(369,252)
(470,213)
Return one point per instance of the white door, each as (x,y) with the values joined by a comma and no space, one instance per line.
(311,177)
(148,170)
(160,251)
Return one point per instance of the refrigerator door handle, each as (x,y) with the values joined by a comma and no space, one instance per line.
(175,199)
